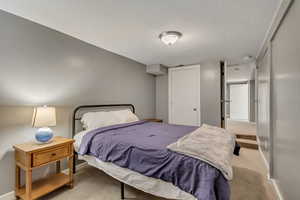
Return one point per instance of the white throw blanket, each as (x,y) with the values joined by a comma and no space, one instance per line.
(210,144)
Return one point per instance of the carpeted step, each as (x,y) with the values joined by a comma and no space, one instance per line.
(248,137)
(246,143)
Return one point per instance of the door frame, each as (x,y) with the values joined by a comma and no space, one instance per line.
(228,101)
(280,15)
(223,93)
(263,146)
(170,70)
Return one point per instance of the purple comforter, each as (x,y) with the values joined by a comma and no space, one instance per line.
(141,147)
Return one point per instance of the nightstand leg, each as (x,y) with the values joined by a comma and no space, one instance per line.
(70,163)
(58,167)
(17,181)
(28,183)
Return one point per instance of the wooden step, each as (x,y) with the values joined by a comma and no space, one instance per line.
(248,137)
(246,143)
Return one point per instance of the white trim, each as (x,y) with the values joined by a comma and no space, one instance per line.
(272,180)
(268,110)
(271,26)
(184,67)
(278,17)
(271,127)
(267,165)
(78,167)
(276,187)
(275,23)
(8,196)
(11,195)
(81,165)
(264,159)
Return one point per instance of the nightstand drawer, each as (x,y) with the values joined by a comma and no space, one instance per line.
(43,157)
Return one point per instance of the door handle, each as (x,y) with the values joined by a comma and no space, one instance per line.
(194,109)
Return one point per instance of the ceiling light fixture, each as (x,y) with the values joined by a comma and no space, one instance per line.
(170,37)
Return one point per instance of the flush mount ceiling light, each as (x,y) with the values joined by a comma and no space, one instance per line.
(170,37)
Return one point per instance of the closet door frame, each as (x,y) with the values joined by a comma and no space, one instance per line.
(170,70)
(265,144)
(281,12)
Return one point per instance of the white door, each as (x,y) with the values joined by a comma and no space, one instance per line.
(184,95)
(239,106)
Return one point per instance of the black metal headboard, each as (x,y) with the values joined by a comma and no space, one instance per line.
(75,118)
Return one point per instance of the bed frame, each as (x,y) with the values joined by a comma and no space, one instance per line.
(77,117)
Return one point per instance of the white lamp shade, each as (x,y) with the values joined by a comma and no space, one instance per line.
(44,117)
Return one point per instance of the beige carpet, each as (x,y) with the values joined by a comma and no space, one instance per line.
(251,161)
(241,127)
(249,183)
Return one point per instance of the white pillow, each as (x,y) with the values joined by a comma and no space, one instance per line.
(126,116)
(93,120)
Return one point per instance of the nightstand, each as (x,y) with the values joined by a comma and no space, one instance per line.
(30,155)
(154,120)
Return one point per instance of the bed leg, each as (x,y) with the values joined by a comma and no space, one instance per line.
(74,162)
(122,191)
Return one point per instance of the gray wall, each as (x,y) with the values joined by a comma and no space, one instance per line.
(42,66)
(252,100)
(210,94)
(15,127)
(162,97)
(286,104)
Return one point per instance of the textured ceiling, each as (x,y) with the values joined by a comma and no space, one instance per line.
(212,29)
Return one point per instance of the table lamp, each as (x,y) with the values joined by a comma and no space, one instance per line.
(43,118)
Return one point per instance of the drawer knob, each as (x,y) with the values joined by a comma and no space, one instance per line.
(53,154)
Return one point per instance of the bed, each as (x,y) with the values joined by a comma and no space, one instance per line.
(135,153)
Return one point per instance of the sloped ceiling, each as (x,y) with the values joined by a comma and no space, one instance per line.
(212,29)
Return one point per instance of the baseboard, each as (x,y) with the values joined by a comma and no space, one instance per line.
(272,181)
(11,195)
(81,165)
(8,196)
(263,156)
(264,159)
(78,167)
(277,190)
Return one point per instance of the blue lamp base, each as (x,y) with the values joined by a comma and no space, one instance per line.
(44,135)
